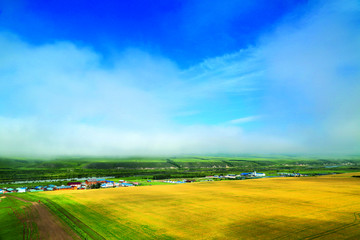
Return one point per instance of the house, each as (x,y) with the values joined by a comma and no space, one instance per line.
(9,190)
(21,190)
(230,176)
(36,190)
(260,174)
(92,181)
(253,174)
(126,185)
(74,184)
(66,188)
(107,185)
(82,187)
(51,187)
(189,180)
(218,176)
(290,174)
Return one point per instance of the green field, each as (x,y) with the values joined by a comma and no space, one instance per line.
(16,220)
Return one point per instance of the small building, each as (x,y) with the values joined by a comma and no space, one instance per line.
(92,181)
(107,185)
(253,174)
(290,174)
(218,176)
(65,188)
(259,174)
(74,184)
(9,190)
(21,190)
(230,176)
(126,185)
(189,180)
(36,190)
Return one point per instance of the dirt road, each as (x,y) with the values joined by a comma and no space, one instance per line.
(49,226)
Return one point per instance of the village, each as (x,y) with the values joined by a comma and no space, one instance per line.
(96,183)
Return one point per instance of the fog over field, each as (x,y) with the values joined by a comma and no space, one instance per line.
(294,88)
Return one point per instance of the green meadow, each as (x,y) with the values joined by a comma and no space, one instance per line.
(16,219)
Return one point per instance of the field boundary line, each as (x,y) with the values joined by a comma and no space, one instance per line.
(74,220)
(27,228)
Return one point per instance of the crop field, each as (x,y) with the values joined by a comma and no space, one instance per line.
(16,220)
(325,207)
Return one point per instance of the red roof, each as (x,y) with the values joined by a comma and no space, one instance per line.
(74,183)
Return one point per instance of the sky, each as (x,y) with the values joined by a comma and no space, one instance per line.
(136,77)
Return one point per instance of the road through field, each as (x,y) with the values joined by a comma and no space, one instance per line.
(49,227)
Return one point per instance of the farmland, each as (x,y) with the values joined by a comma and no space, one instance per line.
(15,219)
(60,169)
(325,207)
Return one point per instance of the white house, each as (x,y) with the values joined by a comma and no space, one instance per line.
(21,190)
(107,185)
(255,174)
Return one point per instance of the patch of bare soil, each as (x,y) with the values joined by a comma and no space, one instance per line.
(49,226)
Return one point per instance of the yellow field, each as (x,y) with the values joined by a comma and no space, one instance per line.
(277,208)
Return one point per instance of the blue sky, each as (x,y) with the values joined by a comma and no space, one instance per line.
(179,77)
(187,32)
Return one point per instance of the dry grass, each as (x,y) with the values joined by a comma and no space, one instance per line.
(277,208)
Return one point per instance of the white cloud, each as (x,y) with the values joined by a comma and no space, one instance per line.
(314,70)
(60,99)
(244,120)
